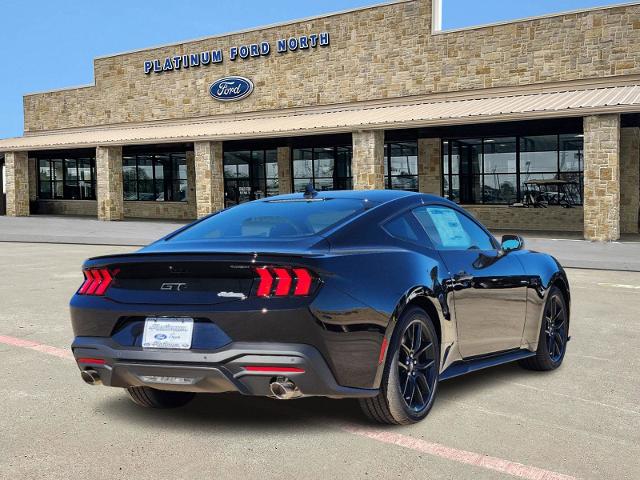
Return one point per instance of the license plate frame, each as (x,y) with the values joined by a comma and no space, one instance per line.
(167,333)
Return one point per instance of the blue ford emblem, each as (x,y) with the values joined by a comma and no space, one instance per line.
(229,89)
(160,336)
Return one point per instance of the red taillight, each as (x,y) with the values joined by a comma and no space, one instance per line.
(284,282)
(284,279)
(97,281)
(303,287)
(266,281)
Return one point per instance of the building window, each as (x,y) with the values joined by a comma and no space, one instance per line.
(502,170)
(327,168)
(160,177)
(250,175)
(66,178)
(401,166)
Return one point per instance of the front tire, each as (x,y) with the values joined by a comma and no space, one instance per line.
(151,398)
(552,343)
(410,378)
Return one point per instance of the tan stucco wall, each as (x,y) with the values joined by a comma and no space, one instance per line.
(375,53)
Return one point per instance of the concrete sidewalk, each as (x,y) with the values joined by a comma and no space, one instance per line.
(567,248)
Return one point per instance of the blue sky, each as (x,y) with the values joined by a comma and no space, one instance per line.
(49,44)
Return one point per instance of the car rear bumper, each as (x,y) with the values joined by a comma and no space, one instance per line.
(223,370)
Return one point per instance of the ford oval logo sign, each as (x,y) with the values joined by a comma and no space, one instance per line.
(231,89)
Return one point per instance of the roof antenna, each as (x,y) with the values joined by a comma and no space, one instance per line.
(309,191)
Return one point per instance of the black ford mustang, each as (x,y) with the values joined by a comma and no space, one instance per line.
(376,295)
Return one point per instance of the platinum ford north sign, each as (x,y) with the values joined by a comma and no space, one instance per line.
(230,89)
(243,52)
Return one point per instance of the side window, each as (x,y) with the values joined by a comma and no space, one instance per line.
(452,230)
(401,227)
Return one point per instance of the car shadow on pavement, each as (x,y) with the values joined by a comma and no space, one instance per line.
(233,411)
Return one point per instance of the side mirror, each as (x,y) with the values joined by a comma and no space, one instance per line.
(512,242)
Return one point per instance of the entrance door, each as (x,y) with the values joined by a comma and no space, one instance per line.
(489,286)
(3,187)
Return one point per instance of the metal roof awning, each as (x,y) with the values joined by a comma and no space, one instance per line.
(441,112)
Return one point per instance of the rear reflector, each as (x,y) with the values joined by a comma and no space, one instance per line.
(267,369)
(92,361)
(96,282)
(383,350)
(284,280)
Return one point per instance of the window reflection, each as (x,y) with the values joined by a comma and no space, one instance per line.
(68,177)
(501,170)
(327,168)
(249,175)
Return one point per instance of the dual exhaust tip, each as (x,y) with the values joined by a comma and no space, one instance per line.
(284,389)
(91,377)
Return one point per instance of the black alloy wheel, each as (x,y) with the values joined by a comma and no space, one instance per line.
(554,334)
(410,378)
(416,366)
(555,323)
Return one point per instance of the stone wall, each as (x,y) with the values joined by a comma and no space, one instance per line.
(284,170)
(160,210)
(109,186)
(67,207)
(430,165)
(17,172)
(367,164)
(375,53)
(602,177)
(209,178)
(553,218)
(629,179)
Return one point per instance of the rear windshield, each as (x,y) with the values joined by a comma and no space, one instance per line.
(274,219)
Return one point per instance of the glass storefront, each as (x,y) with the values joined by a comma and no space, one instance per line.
(401,166)
(155,177)
(327,168)
(250,175)
(499,170)
(66,176)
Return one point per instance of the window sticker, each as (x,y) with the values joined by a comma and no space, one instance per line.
(448,225)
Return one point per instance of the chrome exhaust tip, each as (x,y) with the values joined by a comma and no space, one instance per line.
(91,377)
(284,389)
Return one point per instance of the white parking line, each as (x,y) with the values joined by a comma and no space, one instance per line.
(619,285)
(460,456)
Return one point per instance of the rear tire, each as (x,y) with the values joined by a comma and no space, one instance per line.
(552,342)
(410,379)
(151,398)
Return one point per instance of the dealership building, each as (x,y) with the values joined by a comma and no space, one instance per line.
(530,125)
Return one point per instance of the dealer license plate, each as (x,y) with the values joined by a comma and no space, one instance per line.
(169,333)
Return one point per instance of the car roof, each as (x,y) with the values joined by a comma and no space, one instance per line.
(379,196)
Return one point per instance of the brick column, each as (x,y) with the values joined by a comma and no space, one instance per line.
(191,183)
(284,170)
(430,165)
(367,166)
(109,182)
(629,179)
(602,177)
(209,178)
(16,166)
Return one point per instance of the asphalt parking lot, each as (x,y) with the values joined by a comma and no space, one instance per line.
(581,421)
